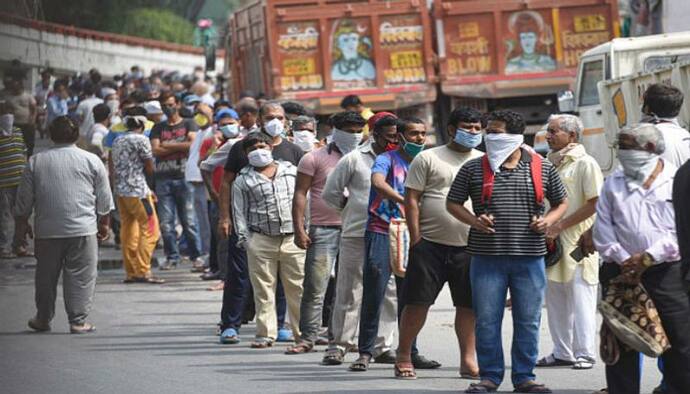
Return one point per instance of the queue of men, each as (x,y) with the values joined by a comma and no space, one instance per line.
(253,195)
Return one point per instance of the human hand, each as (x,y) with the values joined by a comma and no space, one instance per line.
(302,239)
(103,232)
(586,243)
(632,269)
(552,232)
(539,224)
(484,223)
(224,228)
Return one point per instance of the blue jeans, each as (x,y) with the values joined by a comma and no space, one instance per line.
(491,277)
(376,274)
(176,196)
(201,213)
(318,265)
(238,289)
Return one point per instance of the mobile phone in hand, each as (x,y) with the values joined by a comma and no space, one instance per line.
(577,254)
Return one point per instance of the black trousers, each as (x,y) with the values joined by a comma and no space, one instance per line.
(29,134)
(668,290)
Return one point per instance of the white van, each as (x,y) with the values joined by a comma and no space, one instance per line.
(618,58)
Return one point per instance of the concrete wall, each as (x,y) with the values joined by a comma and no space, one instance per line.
(67,53)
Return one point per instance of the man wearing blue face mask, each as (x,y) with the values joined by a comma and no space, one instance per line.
(438,242)
(507,243)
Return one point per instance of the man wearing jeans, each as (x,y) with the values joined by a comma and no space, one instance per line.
(170,142)
(322,241)
(507,245)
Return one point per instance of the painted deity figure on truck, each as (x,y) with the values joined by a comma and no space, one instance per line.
(534,38)
(351,48)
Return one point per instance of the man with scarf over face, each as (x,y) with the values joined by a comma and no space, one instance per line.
(507,244)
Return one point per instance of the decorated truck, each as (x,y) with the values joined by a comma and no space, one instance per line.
(516,54)
(415,57)
(316,52)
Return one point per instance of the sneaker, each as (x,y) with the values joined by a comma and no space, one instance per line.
(38,326)
(285,335)
(168,265)
(229,337)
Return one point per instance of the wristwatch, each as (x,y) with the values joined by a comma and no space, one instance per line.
(647,260)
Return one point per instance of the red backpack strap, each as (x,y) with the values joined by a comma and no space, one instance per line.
(488,180)
(537,181)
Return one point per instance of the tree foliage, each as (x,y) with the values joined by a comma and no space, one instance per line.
(154,23)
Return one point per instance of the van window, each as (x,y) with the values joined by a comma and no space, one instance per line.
(655,62)
(592,73)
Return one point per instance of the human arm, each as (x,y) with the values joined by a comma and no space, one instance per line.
(24,202)
(412,198)
(379,171)
(183,146)
(207,176)
(458,194)
(33,109)
(604,233)
(225,220)
(299,204)
(557,196)
(334,190)
(240,205)
(582,214)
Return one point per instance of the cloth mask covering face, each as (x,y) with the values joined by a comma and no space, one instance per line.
(411,148)
(346,142)
(305,139)
(463,137)
(230,131)
(499,146)
(168,111)
(637,165)
(260,158)
(201,120)
(6,125)
(274,128)
(114,106)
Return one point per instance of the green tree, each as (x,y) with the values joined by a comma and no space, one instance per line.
(154,23)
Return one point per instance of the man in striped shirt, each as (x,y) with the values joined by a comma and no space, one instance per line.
(12,163)
(507,246)
(262,211)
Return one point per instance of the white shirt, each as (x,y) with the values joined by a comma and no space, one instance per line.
(631,219)
(192,172)
(85,111)
(677,141)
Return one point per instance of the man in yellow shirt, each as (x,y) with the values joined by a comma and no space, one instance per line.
(571,295)
(352,102)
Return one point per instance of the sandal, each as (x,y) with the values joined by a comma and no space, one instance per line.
(333,357)
(485,386)
(583,363)
(150,280)
(300,348)
(421,362)
(361,364)
(405,371)
(552,361)
(82,329)
(387,357)
(261,343)
(532,387)
(469,375)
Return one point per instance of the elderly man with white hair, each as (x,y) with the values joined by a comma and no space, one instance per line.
(635,234)
(571,295)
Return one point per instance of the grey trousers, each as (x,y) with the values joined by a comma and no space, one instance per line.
(348,300)
(77,258)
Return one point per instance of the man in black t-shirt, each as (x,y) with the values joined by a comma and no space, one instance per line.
(273,122)
(507,245)
(170,142)
(681,189)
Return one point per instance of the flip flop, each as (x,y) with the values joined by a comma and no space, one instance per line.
(361,364)
(532,387)
(405,371)
(484,386)
(261,343)
(300,348)
(82,329)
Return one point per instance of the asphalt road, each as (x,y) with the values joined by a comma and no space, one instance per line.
(160,339)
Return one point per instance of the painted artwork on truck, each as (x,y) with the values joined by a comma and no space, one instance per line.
(530,48)
(352,62)
(299,55)
(401,39)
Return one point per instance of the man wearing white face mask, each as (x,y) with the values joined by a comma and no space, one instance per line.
(635,234)
(322,237)
(12,163)
(507,187)
(304,133)
(262,201)
(238,287)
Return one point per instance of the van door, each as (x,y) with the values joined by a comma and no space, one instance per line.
(592,70)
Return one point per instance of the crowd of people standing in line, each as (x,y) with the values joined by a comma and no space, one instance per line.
(297,222)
